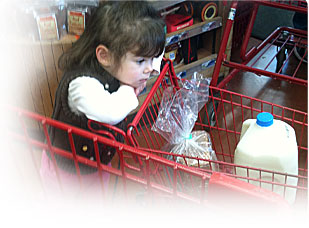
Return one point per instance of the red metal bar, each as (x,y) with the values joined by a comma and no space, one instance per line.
(120,149)
(253,16)
(301,7)
(220,185)
(97,155)
(266,73)
(223,45)
(74,156)
(227,78)
(298,66)
(272,36)
(145,104)
(50,149)
(248,32)
(286,62)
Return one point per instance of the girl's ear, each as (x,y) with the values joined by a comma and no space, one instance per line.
(103,55)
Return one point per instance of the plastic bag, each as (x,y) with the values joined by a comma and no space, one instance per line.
(177,116)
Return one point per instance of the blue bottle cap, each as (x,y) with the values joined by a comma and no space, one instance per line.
(264,119)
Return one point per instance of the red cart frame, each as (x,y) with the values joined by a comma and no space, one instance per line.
(179,184)
(286,40)
(229,110)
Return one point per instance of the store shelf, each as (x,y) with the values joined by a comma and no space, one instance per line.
(171,38)
(160,5)
(196,29)
(67,39)
(205,61)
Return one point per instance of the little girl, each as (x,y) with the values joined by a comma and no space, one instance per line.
(104,71)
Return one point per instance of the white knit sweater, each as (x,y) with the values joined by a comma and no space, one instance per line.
(88,96)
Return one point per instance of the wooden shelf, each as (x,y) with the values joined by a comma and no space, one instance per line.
(171,38)
(174,37)
(67,39)
(198,66)
(196,29)
(205,60)
(160,5)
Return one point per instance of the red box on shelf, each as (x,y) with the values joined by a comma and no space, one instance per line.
(175,22)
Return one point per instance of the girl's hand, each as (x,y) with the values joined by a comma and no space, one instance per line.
(139,89)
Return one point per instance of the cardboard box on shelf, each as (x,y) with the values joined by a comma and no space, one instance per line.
(175,22)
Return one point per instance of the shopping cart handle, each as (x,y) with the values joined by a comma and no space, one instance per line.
(228,190)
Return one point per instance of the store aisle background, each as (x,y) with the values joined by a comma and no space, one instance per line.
(265,88)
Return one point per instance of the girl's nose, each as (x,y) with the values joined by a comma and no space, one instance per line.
(148,67)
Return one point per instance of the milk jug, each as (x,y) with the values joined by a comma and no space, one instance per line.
(270,144)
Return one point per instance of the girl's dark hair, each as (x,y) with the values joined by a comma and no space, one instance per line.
(121,26)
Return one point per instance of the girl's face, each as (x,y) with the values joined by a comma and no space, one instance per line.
(134,70)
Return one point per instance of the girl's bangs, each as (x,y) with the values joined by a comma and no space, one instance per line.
(150,44)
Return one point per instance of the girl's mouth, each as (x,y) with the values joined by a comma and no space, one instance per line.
(143,81)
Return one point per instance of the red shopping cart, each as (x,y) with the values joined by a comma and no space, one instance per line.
(281,44)
(222,118)
(139,182)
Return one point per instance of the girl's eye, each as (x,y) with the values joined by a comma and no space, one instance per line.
(140,61)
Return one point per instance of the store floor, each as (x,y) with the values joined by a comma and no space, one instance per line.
(265,88)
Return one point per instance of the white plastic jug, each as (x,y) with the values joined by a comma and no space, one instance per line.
(268,144)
